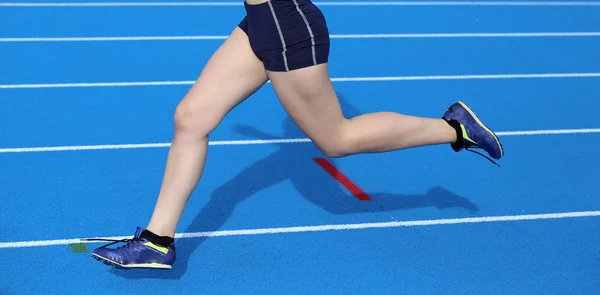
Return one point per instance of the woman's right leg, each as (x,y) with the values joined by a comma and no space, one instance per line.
(231,75)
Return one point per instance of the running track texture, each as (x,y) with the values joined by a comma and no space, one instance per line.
(88,90)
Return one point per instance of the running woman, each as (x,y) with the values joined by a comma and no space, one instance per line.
(285,42)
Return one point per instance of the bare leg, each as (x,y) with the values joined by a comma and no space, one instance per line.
(232,74)
(309,98)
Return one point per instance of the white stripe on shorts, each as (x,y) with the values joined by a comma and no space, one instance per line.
(280,36)
(312,36)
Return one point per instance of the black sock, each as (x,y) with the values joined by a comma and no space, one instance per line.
(458,144)
(156,239)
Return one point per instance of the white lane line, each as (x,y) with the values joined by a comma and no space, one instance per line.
(144,145)
(333,36)
(318,3)
(468,35)
(548,132)
(342,79)
(254,142)
(328,227)
(99,84)
(126,38)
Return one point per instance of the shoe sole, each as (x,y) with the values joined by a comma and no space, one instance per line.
(115,264)
(480,123)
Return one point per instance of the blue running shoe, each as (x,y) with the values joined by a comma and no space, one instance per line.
(471,132)
(136,253)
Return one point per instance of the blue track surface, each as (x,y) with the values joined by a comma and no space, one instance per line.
(49,196)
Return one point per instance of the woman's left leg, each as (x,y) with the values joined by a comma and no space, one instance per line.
(298,70)
(308,96)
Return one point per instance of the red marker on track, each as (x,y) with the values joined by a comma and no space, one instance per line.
(341,178)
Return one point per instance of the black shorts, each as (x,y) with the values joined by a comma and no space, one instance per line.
(287,34)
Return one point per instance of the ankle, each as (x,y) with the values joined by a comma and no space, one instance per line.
(164,241)
(457,138)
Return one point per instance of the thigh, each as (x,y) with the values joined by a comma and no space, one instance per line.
(292,39)
(309,98)
(231,75)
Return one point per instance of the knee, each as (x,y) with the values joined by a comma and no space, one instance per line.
(333,147)
(195,120)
